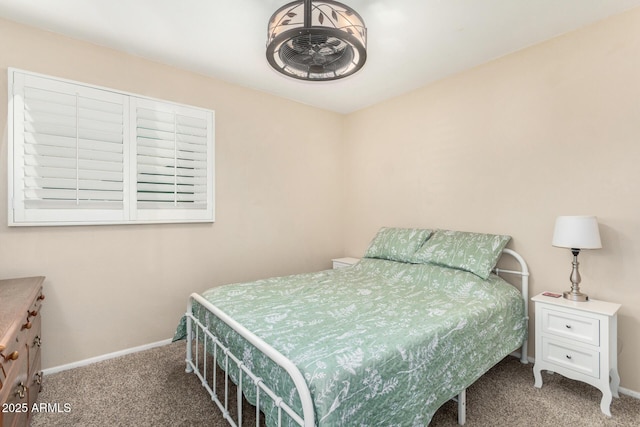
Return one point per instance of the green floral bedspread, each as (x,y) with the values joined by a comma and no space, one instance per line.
(379,343)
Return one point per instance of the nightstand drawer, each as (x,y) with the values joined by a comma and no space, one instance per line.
(578,359)
(572,326)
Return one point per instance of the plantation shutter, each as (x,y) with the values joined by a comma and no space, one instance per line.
(173,148)
(80,154)
(69,164)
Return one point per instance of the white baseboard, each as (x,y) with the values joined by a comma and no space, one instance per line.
(108,356)
(628,392)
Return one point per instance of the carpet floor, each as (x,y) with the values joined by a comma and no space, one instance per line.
(151,388)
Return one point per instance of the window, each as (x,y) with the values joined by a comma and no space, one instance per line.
(80,154)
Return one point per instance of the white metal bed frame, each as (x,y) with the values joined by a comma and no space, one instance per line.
(197,363)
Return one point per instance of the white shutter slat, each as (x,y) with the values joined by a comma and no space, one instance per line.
(191,131)
(192,121)
(65,194)
(71,204)
(148,124)
(164,187)
(99,135)
(169,197)
(154,134)
(197,147)
(170,162)
(69,183)
(159,170)
(154,143)
(100,145)
(52,172)
(100,126)
(153,153)
(195,144)
(51,129)
(71,163)
(58,117)
(155,115)
(103,106)
(170,179)
(52,151)
(62,141)
(170,154)
(49,97)
(53,162)
(191,155)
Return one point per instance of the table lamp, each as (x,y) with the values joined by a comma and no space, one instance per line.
(576,233)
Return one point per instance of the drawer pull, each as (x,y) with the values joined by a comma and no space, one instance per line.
(41,297)
(32,313)
(21,391)
(569,356)
(12,356)
(568,326)
(27,325)
(37,341)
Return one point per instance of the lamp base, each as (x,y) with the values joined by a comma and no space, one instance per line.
(575,296)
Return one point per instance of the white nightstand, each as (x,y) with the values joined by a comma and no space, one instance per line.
(579,341)
(344,262)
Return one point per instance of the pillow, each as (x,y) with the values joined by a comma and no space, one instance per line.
(397,244)
(473,252)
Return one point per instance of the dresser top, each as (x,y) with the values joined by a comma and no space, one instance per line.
(16,296)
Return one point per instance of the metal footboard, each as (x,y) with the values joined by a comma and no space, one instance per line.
(196,361)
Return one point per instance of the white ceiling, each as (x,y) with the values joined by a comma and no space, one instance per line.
(410,42)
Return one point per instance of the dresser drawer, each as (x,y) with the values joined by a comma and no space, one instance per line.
(32,313)
(573,326)
(15,355)
(34,339)
(582,360)
(34,384)
(15,399)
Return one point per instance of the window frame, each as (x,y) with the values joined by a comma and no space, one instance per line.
(131,213)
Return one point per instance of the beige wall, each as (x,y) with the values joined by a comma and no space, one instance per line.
(114,287)
(508,146)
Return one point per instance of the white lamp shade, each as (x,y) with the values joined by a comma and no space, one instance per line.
(578,232)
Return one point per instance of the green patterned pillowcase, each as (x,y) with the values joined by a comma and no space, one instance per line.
(473,252)
(397,244)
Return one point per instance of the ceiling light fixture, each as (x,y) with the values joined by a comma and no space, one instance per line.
(316,40)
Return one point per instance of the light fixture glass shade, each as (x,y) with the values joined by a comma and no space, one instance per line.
(316,40)
(576,232)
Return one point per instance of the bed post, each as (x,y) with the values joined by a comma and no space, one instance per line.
(462,407)
(524,289)
(189,357)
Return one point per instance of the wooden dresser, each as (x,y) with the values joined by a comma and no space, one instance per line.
(20,375)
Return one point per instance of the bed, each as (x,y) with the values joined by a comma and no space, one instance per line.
(387,341)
